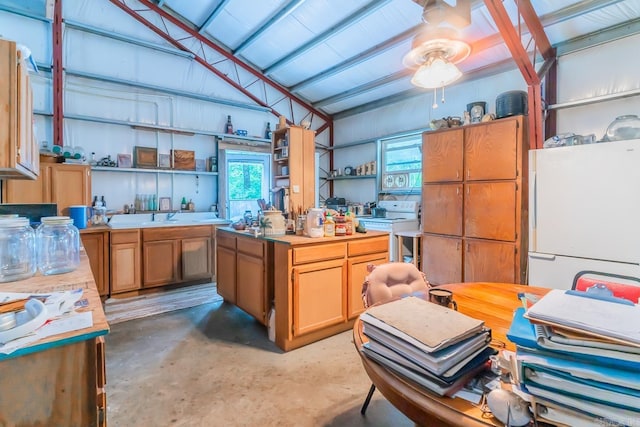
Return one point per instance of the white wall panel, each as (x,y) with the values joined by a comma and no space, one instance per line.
(34,34)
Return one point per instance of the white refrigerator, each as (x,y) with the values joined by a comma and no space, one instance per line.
(584,211)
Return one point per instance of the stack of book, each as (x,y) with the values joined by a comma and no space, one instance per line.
(435,347)
(579,357)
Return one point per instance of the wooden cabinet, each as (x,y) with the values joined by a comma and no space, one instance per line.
(96,245)
(60,183)
(175,255)
(226,265)
(242,273)
(293,150)
(318,294)
(125,260)
(474,203)
(19,152)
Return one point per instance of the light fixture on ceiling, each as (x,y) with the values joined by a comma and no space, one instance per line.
(434,53)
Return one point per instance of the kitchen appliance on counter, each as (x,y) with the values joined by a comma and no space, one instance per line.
(336,203)
(583,211)
(398,216)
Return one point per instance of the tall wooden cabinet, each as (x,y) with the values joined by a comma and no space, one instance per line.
(293,150)
(19,153)
(474,203)
(64,184)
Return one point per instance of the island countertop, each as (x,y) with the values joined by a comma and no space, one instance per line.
(295,240)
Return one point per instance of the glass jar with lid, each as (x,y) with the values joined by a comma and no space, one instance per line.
(58,245)
(17,249)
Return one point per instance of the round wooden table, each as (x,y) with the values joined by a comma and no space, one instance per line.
(492,302)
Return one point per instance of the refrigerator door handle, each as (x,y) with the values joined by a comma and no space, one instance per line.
(535,200)
(538,255)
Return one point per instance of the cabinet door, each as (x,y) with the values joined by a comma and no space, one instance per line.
(251,286)
(319,296)
(357,273)
(442,156)
(490,261)
(490,150)
(125,267)
(196,258)
(27,153)
(442,259)
(442,208)
(490,210)
(226,273)
(28,191)
(161,262)
(70,185)
(96,245)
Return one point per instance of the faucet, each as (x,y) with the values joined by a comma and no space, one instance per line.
(171,214)
(153,216)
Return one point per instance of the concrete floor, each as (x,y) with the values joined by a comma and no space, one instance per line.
(213,365)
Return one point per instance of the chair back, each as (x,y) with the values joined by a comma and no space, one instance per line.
(392,280)
(621,286)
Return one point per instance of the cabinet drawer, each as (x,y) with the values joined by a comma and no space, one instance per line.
(251,246)
(318,253)
(175,233)
(368,246)
(225,240)
(129,236)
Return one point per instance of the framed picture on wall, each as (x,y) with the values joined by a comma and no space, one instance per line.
(124,160)
(164,204)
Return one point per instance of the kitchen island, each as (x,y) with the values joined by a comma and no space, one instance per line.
(313,285)
(58,380)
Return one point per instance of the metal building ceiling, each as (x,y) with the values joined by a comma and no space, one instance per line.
(342,57)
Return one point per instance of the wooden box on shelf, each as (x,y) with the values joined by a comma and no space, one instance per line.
(183,159)
(145,157)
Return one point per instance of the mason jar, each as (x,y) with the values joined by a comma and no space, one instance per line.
(58,245)
(17,249)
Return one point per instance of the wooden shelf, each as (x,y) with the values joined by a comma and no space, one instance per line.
(347,177)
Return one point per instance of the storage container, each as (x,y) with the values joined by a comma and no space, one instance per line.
(58,245)
(17,249)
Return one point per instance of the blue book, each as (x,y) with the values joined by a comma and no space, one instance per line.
(524,334)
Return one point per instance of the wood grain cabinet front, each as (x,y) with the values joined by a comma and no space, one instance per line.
(60,183)
(19,152)
(475,223)
(96,245)
(125,260)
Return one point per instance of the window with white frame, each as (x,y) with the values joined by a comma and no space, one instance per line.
(401,164)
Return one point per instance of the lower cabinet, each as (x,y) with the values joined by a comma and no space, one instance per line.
(242,273)
(319,296)
(96,245)
(125,260)
(456,260)
(175,254)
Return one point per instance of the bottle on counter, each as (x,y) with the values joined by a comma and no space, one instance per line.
(329,226)
(104,204)
(349,223)
(191,207)
(95,202)
(341,226)
(183,203)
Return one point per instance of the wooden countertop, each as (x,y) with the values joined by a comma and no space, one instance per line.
(95,229)
(79,278)
(290,239)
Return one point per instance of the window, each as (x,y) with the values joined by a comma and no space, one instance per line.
(401,164)
(247,180)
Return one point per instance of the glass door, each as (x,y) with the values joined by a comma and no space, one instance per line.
(247,179)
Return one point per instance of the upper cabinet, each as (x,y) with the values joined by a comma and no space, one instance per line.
(293,150)
(19,157)
(60,183)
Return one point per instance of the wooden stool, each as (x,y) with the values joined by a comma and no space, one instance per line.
(416,235)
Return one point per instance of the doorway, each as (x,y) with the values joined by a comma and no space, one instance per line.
(247,177)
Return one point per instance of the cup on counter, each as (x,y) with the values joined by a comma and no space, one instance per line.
(442,297)
(80,215)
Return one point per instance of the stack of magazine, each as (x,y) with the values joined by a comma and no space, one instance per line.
(435,347)
(579,357)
